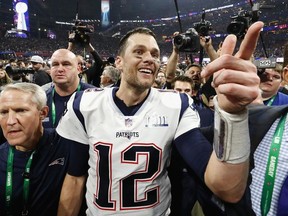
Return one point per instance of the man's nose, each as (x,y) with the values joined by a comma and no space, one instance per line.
(147,57)
(11,118)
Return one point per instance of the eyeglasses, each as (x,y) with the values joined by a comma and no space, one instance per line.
(34,63)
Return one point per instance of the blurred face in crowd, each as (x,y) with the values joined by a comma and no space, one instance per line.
(140,61)
(21,119)
(183,87)
(13,64)
(105,79)
(89,64)
(161,77)
(81,63)
(21,64)
(270,82)
(162,68)
(194,74)
(2,73)
(36,66)
(64,68)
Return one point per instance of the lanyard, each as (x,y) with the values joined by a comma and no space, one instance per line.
(9,180)
(271,100)
(53,108)
(271,167)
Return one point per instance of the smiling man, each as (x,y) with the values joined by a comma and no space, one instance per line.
(128,174)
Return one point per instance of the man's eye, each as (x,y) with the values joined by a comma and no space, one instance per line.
(139,52)
(20,110)
(156,56)
(3,112)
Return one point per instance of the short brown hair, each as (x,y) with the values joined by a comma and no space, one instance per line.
(193,65)
(182,78)
(123,41)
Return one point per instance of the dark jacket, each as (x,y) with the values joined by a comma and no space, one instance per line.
(260,120)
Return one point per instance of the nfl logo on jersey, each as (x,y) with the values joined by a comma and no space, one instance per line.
(128,122)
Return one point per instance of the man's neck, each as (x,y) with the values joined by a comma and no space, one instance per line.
(65,90)
(25,149)
(266,97)
(130,97)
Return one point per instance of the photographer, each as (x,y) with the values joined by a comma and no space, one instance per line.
(19,73)
(41,77)
(94,72)
(202,90)
(206,43)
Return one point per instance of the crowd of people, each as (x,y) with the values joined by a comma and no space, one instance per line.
(132,135)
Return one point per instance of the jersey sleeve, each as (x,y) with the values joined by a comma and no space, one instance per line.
(189,117)
(72,125)
(189,141)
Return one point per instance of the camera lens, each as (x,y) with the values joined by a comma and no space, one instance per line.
(203,30)
(188,41)
(236,28)
(178,40)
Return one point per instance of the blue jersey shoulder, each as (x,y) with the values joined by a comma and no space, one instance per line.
(95,89)
(166,90)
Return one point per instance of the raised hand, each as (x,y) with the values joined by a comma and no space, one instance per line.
(235,76)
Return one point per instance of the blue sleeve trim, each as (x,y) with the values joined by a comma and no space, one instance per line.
(195,149)
(76,108)
(184,105)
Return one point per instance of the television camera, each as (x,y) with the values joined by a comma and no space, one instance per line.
(241,22)
(190,41)
(18,71)
(80,33)
(203,27)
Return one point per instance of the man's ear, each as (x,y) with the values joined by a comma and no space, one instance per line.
(118,63)
(44,112)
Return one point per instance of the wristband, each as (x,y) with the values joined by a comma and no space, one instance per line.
(231,135)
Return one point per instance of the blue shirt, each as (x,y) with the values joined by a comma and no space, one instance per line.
(48,169)
(279,99)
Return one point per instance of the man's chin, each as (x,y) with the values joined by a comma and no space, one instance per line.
(14,141)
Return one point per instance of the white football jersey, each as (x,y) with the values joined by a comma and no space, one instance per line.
(128,155)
